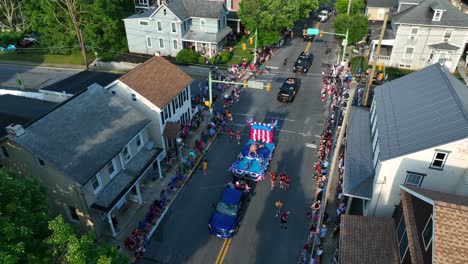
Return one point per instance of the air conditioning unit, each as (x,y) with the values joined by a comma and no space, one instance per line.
(15,129)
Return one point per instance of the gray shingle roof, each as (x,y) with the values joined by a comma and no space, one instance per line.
(359,169)
(382,3)
(82,135)
(145,14)
(422,14)
(444,46)
(424,109)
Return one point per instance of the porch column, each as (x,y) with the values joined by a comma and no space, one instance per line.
(238,26)
(159,168)
(109,218)
(348,206)
(195,46)
(137,187)
(209,47)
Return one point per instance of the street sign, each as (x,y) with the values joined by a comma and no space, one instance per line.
(313,31)
(255,85)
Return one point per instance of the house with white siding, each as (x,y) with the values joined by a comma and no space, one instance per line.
(177,24)
(424,32)
(415,133)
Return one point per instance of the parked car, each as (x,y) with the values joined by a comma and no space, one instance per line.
(25,43)
(33,37)
(288,90)
(231,208)
(10,47)
(303,62)
(324,15)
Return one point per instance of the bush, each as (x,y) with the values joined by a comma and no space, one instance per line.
(187,56)
(201,60)
(359,62)
(223,57)
(395,73)
(12,37)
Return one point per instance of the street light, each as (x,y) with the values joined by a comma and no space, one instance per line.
(179,144)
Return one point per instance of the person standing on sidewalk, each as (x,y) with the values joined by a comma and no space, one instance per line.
(205,167)
(278,205)
(284,220)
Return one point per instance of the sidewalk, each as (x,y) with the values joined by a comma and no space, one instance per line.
(51,65)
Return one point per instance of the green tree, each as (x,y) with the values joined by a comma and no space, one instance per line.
(23,219)
(68,247)
(357,24)
(357,6)
(187,56)
(270,16)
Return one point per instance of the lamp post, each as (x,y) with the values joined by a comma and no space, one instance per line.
(181,157)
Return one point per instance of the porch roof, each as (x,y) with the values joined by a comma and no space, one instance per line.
(206,37)
(359,169)
(171,129)
(124,180)
(443,46)
(376,26)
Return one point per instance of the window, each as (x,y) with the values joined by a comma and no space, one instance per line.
(127,155)
(439,159)
(96,183)
(72,213)
(134,97)
(143,2)
(148,42)
(442,57)
(414,32)
(202,24)
(173,27)
(185,26)
(139,141)
(427,234)
(113,91)
(447,35)
(174,44)
(5,152)
(144,23)
(161,43)
(402,238)
(431,56)
(414,179)
(437,15)
(41,162)
(159,26)
(111,168)
(166,112)
(408,53)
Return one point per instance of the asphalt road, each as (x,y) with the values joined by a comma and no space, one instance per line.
(33,77)
(183,236)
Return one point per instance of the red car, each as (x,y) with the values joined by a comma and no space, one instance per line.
(25,43)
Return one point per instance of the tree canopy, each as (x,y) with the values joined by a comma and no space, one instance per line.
(357,24)
(270,16)
(357,6)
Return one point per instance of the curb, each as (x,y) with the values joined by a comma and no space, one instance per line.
(187,178)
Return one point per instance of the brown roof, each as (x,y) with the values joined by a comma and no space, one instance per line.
(368,240)
(450,225)
(171,129)
(157,80)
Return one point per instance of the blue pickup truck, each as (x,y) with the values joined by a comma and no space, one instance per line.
(230,210)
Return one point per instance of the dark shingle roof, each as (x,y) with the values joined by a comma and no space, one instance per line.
(80,81)
(421,110)
(21,110)
(145,14)
(382,3)
(444,46)
(422,14)
(83,134)
(368,240)
(359,169)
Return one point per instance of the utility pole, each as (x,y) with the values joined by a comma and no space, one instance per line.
(255,48)
(345,41)
(210,92)
(370,79)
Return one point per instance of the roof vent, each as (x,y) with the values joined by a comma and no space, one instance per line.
(15,129)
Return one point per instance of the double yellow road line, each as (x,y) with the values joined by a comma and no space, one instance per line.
(224,249)
(309,44)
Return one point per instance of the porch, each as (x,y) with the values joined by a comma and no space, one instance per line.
(206,44)
(385,51)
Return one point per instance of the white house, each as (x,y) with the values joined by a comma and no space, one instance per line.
(416,133)
(424,32)
(161,91)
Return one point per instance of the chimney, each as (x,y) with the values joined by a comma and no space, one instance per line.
(15,130)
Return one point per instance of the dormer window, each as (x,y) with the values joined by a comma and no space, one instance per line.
(437,15)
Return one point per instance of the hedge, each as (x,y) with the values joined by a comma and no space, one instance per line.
(187,56)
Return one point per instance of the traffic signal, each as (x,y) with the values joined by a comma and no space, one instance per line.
(251,40)
(381,76)
(207,103)
(380,66)
(245,84)
(268,87)
(321,33)
(244,46)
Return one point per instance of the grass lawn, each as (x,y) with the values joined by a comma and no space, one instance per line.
(239,54)
(33,57)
